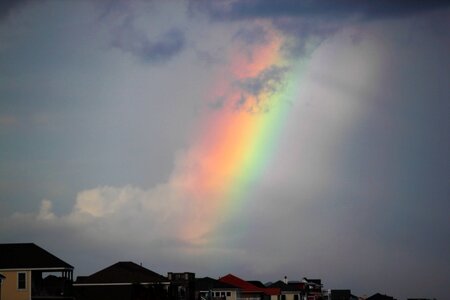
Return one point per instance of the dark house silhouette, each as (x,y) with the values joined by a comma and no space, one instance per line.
(182,285)
(341,295)
(379,296)
(122,281)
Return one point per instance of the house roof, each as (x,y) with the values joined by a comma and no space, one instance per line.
(207,283)
(379,296)
(340,293)
(290,286)
(257,283)
(29,256)
(248,287)
(122,272)
(279,284)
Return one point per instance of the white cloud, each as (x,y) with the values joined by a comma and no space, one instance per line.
(45,211)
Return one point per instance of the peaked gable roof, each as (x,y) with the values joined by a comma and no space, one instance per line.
(246,286)
(379,296)
(122,272)
(29,256)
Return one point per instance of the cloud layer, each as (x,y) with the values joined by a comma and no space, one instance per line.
(102,107)
(164,47)
(365,9)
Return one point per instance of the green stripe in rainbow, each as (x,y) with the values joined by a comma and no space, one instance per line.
(235,144)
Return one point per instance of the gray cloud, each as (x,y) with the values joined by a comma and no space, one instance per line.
(169,44)
(306,34)
(252,35)
(7,6)
(218,103)
(164,47)
(253,91)
(365,9)
(208,58)
(315,21)
(268,81)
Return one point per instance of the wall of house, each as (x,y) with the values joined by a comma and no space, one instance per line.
(219,294)
(253,296)
(291,296)
(233,295)
(9,289)
(224,294)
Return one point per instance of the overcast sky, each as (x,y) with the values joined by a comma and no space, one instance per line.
(105,107)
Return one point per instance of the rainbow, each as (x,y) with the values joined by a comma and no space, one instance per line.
(236,140)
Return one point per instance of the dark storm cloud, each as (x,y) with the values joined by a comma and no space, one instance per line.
(7,6)
(168,45)
(311,22)
(306,34)
(366,9)
(162,49)
(253,92)
(266,83)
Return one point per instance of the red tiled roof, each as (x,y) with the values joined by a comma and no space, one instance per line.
(246,286)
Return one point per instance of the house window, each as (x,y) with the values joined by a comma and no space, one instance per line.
(21,281)
(228,294)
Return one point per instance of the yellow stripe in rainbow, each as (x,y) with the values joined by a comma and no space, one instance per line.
(235,144)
